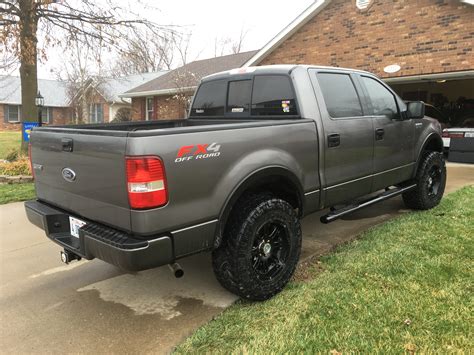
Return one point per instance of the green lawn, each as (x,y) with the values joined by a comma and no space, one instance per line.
(404,286)
(9,141)
(16,192)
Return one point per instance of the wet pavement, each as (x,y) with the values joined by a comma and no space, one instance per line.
(91,306)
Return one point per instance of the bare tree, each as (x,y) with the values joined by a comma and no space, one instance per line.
(229,45)
(80,70)
(237,44)
(144,53)
(97,24)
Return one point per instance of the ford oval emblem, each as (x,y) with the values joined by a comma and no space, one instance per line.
(68,174)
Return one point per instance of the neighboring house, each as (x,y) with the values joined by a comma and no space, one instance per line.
(168,96)
(100,102)
(423,48)
(55,111)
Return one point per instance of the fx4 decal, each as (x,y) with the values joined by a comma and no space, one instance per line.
(198,151)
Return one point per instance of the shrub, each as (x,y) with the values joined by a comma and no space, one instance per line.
(12,155)
(19,167)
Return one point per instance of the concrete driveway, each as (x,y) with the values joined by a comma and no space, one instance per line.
(90,306)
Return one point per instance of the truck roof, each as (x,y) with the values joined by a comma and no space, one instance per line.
(273,69)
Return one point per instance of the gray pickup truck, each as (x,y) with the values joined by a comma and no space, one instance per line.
(262,147)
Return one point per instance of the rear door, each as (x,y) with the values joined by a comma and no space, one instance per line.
(349,139)
(394,145)
(83,172)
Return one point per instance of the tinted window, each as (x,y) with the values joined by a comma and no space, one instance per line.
(273,96)
(340,95)
(238,99)
(382,100)
(210,99)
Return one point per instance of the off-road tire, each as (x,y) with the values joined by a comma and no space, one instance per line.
(234,260)
(425,195)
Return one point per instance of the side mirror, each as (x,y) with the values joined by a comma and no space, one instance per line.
(416,109)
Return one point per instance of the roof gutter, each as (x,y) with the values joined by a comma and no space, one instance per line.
(157,92)
(465,74)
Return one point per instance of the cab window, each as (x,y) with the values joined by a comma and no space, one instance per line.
(210,99)
(339,95)
(273,96)
(382,101)
(238,98)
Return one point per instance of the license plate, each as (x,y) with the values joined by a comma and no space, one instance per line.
(469,134)
(75,225)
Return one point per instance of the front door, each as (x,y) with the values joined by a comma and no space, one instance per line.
(349,139)
(394,144)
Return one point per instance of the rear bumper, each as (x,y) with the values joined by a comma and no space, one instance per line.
(98,241)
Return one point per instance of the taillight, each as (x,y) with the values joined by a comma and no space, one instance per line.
(30,160)
(146,182)
(447,134)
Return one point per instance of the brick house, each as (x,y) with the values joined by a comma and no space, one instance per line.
(423,48)
(168,96)
(55,111)
(98,100)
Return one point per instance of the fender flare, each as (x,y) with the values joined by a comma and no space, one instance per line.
(252,180)
(432,137)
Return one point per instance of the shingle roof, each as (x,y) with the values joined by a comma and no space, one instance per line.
(189,75)
(53,91)
(110,88)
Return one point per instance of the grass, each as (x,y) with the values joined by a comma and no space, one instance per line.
(8,142)
(16,192)
(404,286)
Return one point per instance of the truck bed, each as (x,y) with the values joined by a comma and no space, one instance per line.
(96,154)
(162,127)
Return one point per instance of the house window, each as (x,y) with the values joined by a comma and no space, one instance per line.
(96,113)
(149,108)
(13,113)
(45,114)
(362,4)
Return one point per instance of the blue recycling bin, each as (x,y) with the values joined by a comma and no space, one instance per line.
(26,129)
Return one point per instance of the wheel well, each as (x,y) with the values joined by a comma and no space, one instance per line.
(434,144)
(283,186)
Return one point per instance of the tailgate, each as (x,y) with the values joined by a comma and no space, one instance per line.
(88,181)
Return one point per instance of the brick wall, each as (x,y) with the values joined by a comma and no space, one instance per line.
(169,107)
(60,115)
(422,36)
(138,108)
(165,107)
(7,126)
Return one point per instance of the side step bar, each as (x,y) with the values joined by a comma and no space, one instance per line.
(336,214)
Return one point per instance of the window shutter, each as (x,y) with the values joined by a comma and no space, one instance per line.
(50,115)
(5,113)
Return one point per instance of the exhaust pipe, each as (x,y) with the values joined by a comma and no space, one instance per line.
(176,269)
(68,256)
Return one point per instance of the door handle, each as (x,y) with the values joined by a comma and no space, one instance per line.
(334,140)
(379,133)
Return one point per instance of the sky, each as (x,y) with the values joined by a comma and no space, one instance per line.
(208,19)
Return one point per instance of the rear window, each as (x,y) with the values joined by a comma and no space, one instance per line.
(273,96)
(265,95)
(238,99)
(210,99)
(340,95)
